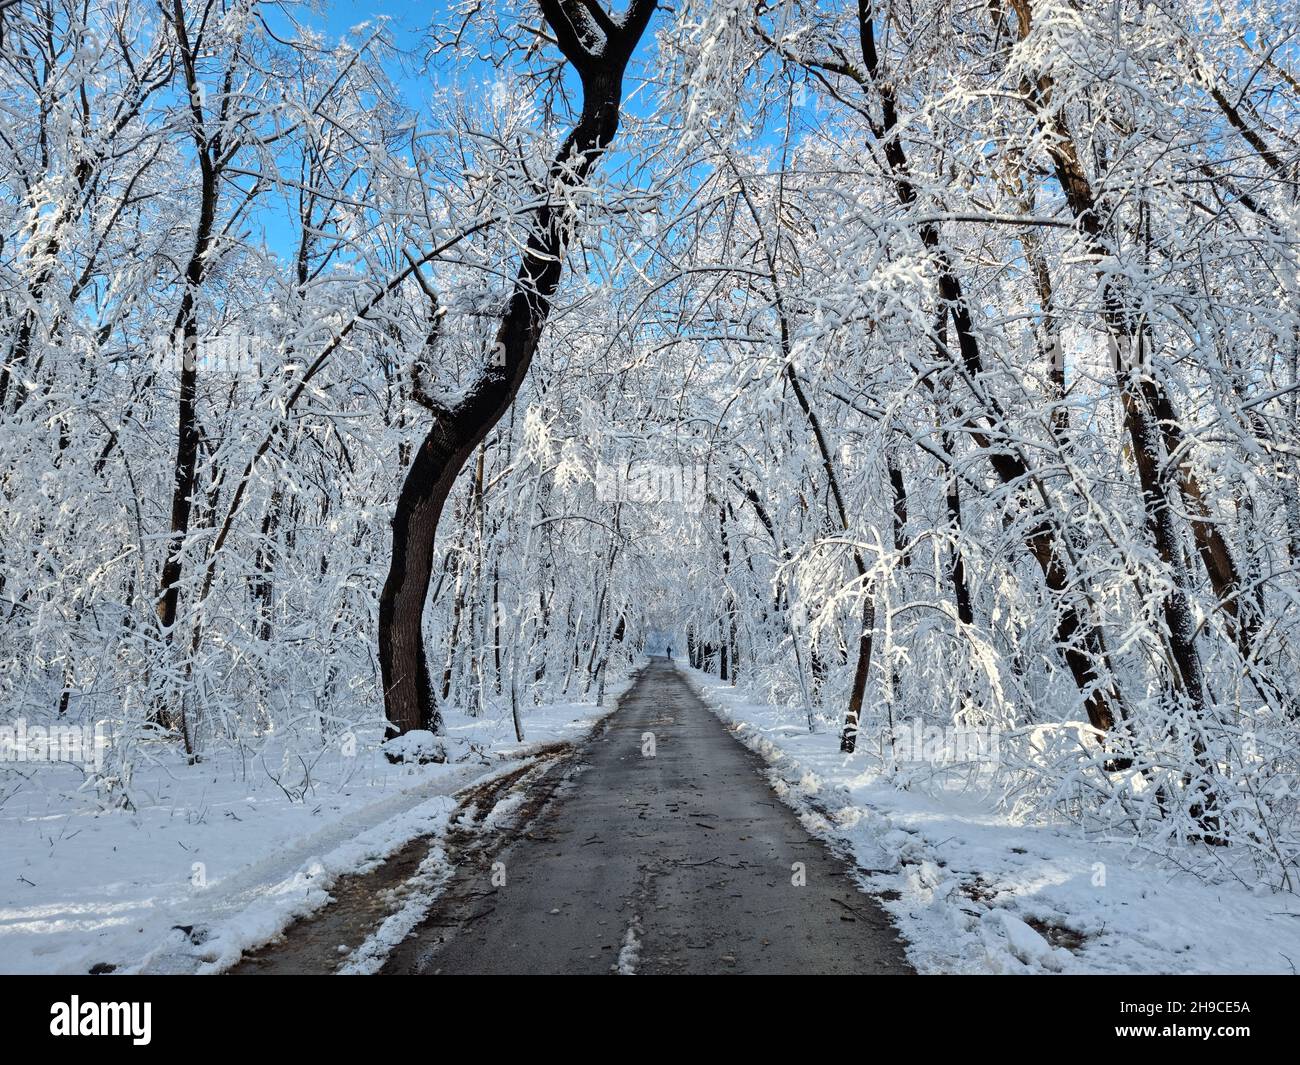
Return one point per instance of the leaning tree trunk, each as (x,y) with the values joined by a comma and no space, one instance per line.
(458,430)
(1153,427)
(1102,701)
(1052,553)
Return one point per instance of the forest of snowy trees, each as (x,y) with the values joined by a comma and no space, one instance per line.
(901,359)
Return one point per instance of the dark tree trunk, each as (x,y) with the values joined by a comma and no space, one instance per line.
(496,624)
(186,334)
(899,487)
(728,622)
(952,503)
(456,431)
(212,154)
(1146,401)
(263,587)
(1153,427)
(853,716)
(1101,701)
(457,612)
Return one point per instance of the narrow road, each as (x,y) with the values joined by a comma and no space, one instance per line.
(680,862)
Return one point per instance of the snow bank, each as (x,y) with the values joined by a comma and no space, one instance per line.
(219,858)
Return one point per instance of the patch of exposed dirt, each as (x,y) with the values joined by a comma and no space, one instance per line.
(980,890)
(1056,934)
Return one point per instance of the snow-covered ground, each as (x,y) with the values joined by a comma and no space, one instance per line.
(219,858)
(973,891)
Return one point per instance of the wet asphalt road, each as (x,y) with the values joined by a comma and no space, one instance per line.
(683,862)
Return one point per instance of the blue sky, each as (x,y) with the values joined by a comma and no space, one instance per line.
(407,20)
(409,24)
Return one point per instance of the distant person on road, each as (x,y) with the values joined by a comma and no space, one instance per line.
(670,650)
